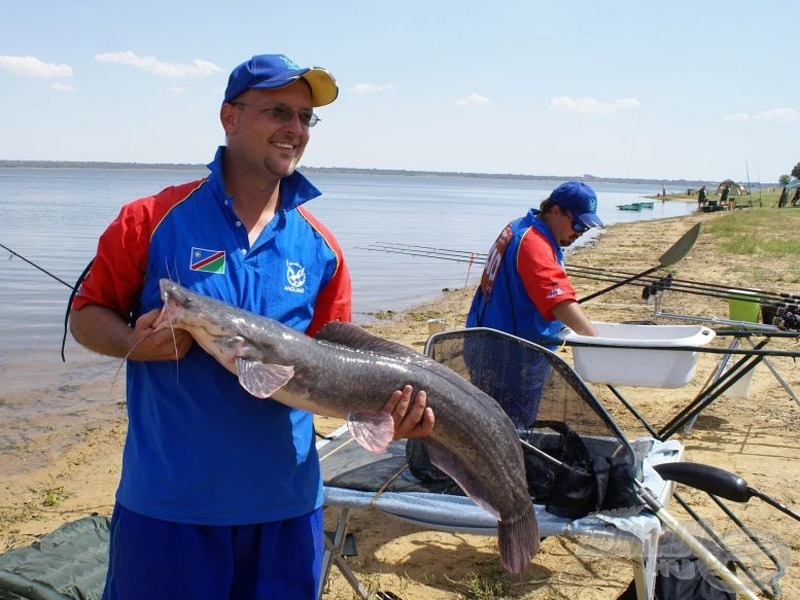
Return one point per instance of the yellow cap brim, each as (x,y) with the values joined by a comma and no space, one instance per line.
(323,86)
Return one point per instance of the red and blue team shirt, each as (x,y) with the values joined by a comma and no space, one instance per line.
(523,280)
(199,448)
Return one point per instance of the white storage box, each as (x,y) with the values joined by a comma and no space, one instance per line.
(649,363)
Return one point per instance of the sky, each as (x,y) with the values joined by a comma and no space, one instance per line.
(695,90)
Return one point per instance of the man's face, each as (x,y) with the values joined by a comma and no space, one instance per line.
(562,227)
(265,128)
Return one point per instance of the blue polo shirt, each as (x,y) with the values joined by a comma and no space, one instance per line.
(199,448)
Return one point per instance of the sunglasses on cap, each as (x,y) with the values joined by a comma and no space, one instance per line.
(578,226)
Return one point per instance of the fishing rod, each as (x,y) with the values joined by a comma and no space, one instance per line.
(408,252)
(461,256)
(33,264)
(787,314)
(654,286)
(778,296)
(74,289)
(673,254)
(429,249)
(677,284)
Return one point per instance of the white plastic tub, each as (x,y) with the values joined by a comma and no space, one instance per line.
(649,363)
(740,389)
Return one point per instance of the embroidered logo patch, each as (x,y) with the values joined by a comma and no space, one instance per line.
(295,277)
(208,261)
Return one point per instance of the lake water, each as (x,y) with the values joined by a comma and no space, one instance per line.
(53,217)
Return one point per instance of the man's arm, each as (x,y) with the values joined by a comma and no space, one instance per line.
(104,331)
(571,314)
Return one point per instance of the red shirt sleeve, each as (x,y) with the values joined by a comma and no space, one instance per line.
(543,277)
(117,274)
(335,300)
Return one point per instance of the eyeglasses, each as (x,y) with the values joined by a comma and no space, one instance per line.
(284,114)
(578,226)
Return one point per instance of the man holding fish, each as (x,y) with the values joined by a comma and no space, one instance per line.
(220,493)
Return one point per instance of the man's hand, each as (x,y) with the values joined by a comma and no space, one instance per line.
(151,344)
(410,419)
(105,331)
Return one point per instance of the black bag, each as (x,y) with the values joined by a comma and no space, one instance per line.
(582,485)
(420,465)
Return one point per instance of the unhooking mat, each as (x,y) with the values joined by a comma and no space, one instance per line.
(67,564)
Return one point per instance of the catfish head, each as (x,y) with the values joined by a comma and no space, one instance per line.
(237,339)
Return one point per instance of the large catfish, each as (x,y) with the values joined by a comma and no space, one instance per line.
(349,373)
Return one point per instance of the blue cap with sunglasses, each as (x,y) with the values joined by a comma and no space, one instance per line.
(273,71)
(580,201)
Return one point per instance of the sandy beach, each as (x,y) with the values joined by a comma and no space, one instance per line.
(756,437)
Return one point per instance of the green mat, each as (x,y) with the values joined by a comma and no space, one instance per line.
(67,564)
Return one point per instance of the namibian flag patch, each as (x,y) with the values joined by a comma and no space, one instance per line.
(208,261)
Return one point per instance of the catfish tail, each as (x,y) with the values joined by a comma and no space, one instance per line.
(518,538)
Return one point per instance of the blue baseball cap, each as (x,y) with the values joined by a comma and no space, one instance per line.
(273,71)
(580,200)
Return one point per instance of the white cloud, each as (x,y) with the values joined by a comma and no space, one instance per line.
(592,106)
(371,88)
(63,87)
(778,114)
(474,100)
(197,68)
(30,66)
(737,117)
(174,90)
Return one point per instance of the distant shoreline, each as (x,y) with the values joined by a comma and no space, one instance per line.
(68,164)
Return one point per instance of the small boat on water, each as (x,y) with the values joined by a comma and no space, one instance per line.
(634,206)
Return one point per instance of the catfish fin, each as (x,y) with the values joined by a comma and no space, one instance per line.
(260,379)
(448,462)
(353,336)
(372,430)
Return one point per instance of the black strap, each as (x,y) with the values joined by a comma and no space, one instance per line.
(75,289)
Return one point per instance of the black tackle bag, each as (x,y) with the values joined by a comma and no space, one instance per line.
(582,484)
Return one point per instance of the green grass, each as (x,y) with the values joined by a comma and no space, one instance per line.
(52,497)
(763,233)
(489,586)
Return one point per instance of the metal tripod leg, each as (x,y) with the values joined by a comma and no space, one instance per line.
(710,394)
(718,371)
(780,379)
(334,555)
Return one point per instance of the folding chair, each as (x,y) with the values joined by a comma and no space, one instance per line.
(500,364)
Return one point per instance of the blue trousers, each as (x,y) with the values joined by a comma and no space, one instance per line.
(153,559)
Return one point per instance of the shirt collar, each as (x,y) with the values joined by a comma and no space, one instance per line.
(296,189)
(533,220)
